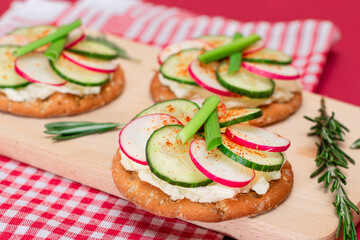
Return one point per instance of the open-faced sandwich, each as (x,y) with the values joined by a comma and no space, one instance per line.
(240,70)
(48,71)
(176,159)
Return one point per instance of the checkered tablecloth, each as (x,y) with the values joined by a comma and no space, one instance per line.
(38,204)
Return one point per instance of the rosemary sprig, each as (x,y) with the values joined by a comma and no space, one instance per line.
(70,130)
(329,160)
(355,144)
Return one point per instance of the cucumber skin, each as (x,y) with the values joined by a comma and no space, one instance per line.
(93,55)
(165,178)
(266,61)
(244,92)
(181,99)
(242,119)
(176,79)
(249,164)
(21,85)
(74,81)
(22,28)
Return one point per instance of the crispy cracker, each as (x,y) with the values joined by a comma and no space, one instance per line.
(152,199)
(59,104)
(272,113)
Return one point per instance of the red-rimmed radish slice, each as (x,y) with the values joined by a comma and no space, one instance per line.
(92,64)
(177,47)
(283,72)
(74,37)
(35,67)
(133,137)
(257,138)
(254,47)
(204,75)
(16,40)
(218,167)
(221,108)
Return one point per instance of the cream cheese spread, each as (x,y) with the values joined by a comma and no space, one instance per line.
(213,192)
(283,92)
(42,91)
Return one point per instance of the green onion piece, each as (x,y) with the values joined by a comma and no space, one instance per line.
(228,49)
(61,32)
(212,131)
(235,58)
(63,125)
(199,119)
(356,144)
(53,52)
(80,129)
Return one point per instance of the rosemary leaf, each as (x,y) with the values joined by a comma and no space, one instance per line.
(356,144)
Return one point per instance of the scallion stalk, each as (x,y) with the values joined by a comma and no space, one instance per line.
(61,32)
(228,49)
(53,52)
(235,58)
(212,131)
(199,119)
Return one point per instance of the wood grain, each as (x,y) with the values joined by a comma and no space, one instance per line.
(308,213)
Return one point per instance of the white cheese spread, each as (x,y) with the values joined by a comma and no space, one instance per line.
(213,192)
(283,92)
(42,91)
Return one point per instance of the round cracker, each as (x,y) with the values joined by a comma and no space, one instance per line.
(154,200)
(60,104)
(272,113)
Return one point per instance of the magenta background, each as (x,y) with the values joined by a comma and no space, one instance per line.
(341,76)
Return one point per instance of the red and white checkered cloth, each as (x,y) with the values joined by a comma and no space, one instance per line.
(37,204)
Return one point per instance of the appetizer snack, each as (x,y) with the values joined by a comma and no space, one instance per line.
(169,165)
(74,74)
(241,71)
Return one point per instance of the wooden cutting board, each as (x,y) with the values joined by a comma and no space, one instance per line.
(308,213)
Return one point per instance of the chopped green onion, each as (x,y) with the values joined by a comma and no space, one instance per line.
(63,125)
(61,32)
(356,144)
(199,119)
(53,52)
(212,131)
(235,58)
(228,49)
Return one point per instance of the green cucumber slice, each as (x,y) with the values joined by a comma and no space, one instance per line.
(269,56)
(169,159)
(235,116)
(182,109)
(176,66)
(94,49)
(8,77)
(78,75)
(254,159)
(35,32)
(244,82)
(217,40)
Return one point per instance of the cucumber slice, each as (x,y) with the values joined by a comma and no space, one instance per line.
(34,33)
(182,109)
(269,56)
(244,82)
(176,67)
(170,161)
(254,159)
(94,49)
(216,40)
(14,40)
(8,77)
(235,116)
(78,75)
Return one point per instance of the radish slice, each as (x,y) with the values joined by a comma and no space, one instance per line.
(254,47)
(16,40)
(284,72)
(221,108)
(257,138)
(218,167)
(204,75)
(177,47)
(134,135)
(35,67)
(92,64)
(74,37)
